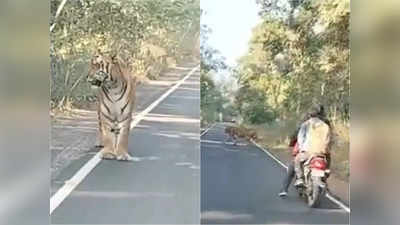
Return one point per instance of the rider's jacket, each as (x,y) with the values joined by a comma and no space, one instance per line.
(314,136)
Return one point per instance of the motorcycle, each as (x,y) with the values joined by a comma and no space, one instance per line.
(316,174)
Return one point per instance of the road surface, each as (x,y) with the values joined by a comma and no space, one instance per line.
(240,184)
(162,185)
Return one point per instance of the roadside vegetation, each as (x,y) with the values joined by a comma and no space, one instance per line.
(213,102)
(298,55)
(150,35)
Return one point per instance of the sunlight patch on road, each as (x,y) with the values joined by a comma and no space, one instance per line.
(181,68)
(170,119)
(180,135)
(186,97)
(120,194)
(169,135)
(69,148)
(150,158)
(139,126)
(66,121)
(223,215)
(191,82)
(188,89)
(75,127)
(231,150)
(160,83)
(188,164)
(183,164)
(194,167)
(221,142)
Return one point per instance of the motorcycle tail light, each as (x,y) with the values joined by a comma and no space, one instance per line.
(318,163)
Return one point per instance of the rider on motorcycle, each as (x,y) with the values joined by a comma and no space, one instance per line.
(290,170)
(313,139)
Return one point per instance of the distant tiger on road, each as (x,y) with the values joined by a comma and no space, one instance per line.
(231,133)
(240,132)
(116,97)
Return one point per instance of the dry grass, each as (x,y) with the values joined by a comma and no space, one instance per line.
(340,151)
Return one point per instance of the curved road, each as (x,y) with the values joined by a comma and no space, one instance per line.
(240,185)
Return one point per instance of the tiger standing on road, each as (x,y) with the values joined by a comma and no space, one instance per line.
(237,132)
(117,87)
(231,133)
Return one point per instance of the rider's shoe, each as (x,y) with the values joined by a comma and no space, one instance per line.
(299,182)
(283,193)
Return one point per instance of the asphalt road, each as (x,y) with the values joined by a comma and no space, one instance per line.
(161,186)
(240,185)
(72,137)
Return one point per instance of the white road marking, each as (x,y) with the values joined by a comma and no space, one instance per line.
(70,148)
(339,203)
(328,195)
(72,183)
(63,120)
(189,164)
(124,195)
(221,142)
(206,130)
(270,154)
(183,164)
(75,127)
(142,114)
(221,215)
(170,119)
(211,141)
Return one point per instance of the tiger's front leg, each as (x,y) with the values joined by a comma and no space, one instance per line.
(122,144)
(107,138)
(101,134)
(100,144)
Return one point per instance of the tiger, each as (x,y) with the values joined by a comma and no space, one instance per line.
(231,133)
(117,97)
(230,130)
(235,133)
(252,136)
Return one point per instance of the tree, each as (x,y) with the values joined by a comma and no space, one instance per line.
(212,100)
(295,66)
(147,34)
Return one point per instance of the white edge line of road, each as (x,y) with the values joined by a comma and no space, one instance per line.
(72,183)
(206,130)
(328,195)
(222,142)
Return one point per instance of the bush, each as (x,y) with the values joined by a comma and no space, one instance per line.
(148,35)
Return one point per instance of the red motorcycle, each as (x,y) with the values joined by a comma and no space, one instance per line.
(316,174)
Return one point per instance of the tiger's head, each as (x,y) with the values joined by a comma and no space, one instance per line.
(103,70)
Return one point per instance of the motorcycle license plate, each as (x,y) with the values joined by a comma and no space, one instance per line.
(317,173)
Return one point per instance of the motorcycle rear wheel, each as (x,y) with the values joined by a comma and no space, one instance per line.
(315,195)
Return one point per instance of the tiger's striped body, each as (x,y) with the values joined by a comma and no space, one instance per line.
(116,104)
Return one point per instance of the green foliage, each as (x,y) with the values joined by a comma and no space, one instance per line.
(252,106)
(212,100)
(148,34)
(296,64)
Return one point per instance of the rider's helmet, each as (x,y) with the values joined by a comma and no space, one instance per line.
(317,110)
